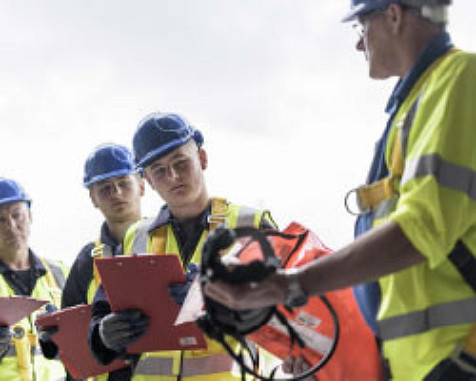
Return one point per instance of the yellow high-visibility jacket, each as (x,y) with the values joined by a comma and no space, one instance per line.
(427,310)
(212,364)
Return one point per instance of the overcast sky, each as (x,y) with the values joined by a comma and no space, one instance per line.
(289,115)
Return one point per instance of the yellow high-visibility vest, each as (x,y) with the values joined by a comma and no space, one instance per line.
(24,360)
(214,363)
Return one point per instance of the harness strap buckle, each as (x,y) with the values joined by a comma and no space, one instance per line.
(18,332)
(97,250)
(217,220)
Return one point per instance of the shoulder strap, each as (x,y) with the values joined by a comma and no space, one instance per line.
(218,212)
(55,279)
(370,195)
(159,240)
(100,250)
(465,263)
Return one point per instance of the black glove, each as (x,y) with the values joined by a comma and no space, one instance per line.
(48,347)
(5,338)
(45,333)
(120,329)
(178,291)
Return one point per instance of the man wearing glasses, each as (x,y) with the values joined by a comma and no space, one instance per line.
(413,265)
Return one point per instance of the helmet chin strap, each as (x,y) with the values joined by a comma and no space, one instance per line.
(220,321)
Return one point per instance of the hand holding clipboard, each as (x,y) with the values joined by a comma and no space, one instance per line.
(141,282)
(71,339)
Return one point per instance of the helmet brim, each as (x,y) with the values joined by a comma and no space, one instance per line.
(356,12)
(11,200)
(105,176)
(367,7)
(161,151)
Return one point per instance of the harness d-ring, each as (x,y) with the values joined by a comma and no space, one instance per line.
(361,211)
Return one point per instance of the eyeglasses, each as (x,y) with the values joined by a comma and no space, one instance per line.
(361,23)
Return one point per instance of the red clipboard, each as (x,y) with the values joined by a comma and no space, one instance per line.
(15,308)
(141,282)
(72,341)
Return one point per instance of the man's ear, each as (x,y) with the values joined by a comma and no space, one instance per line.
(395,14)
(147,177)
(202,154)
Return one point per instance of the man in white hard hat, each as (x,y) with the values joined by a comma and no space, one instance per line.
(413,265)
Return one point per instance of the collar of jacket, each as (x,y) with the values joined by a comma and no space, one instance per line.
(434,50)
(165,217)
(106,236)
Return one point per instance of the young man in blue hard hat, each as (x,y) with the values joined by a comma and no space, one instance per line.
(170,152)
(414,265)
(23,273)
(116,189)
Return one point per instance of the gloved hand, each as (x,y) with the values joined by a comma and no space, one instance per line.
(48,347)
(5,337)
(120,329)
(45,333)
(178,291)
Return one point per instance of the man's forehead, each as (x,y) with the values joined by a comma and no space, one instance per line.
(13,206)
(112,180)
(182,151)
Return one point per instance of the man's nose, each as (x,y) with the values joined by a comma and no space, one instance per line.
(9,223)
(116,189)
(172,172)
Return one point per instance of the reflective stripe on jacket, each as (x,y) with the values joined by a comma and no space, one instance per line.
(24,360)
(100,250)
(212,364)
(428,309)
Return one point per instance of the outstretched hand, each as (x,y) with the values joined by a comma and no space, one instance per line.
(269,292)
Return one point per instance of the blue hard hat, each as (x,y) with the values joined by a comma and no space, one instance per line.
(106,161)
(361,7)
(11,191)
(160,133)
